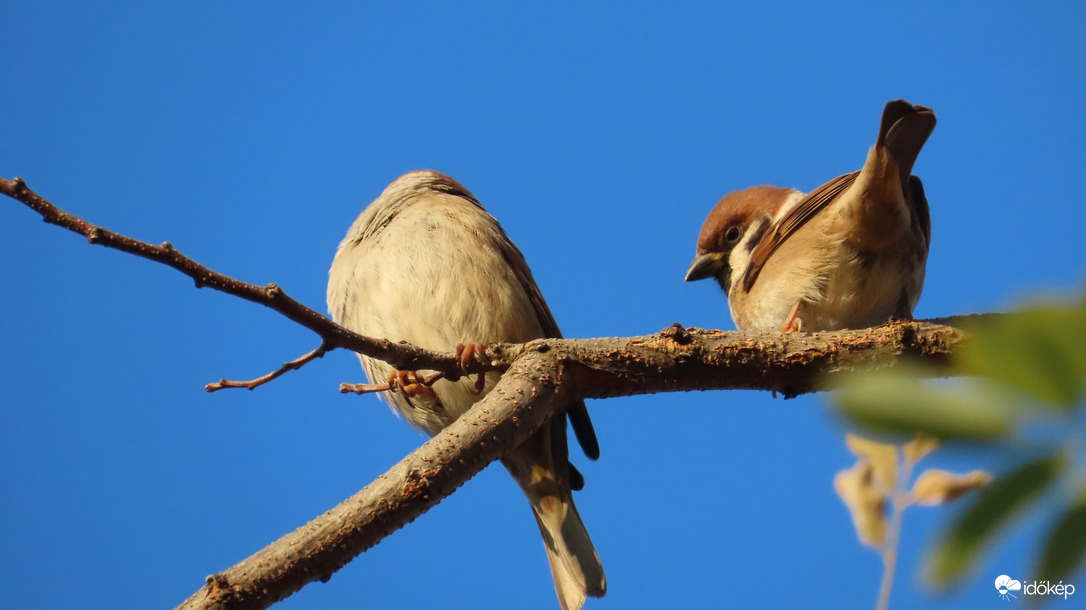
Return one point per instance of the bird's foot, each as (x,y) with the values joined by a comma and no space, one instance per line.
(466,352)
(409,384)
(793,323)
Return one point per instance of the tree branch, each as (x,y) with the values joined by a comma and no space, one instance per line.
(545,376)
(333,336)
(409,378)
(541,378)
(516,407)
(252,384)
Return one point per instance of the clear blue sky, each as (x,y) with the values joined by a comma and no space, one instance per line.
(251,136)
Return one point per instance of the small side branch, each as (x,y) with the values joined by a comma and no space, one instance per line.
(293,365)
(370,388)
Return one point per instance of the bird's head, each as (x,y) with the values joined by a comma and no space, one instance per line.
(732,229)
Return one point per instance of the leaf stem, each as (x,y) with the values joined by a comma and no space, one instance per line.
(893,534)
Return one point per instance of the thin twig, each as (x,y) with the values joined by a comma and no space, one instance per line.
(293,365)
(369,388)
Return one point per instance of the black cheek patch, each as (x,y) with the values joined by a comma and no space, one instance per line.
(758,232)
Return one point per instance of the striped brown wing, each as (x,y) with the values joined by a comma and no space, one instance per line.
(798,216)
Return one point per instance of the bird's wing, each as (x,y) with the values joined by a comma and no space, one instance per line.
(791,222)
(578,413)
(915,196)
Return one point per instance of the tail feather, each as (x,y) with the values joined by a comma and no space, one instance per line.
(540,466)
(575,566)
(903,131)
(881,204)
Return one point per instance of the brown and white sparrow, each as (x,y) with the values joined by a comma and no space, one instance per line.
(851,254)
(426,264)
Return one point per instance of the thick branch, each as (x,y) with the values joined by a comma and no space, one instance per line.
(515,408)
(680,359)
(545,376)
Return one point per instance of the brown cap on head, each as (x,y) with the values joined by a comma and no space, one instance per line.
(727,225)
(738,207)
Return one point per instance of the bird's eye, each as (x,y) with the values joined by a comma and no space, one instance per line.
(732,235)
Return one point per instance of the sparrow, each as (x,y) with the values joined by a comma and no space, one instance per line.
(426,264)
(851,254)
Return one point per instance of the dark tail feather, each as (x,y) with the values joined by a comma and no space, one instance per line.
(583,430)
(903,131)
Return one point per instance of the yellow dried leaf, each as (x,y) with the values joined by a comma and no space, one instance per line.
(919,447)
(935,487)
(882,457)
(865,502)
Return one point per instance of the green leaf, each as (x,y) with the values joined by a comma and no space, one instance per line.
(895,401)
(995,506)
(1066,545)
(1042,352)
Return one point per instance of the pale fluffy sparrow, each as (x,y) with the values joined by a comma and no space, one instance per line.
(426,264)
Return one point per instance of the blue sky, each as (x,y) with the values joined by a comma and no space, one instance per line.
(251,136)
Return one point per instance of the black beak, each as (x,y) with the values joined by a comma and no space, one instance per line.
(705,266)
